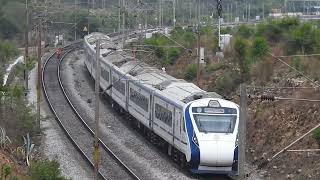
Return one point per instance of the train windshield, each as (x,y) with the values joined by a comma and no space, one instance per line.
(215,123)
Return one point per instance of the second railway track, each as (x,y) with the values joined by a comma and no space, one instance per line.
(79,133)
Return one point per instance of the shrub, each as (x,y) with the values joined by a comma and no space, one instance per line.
(173,54)
(245,31)
(5,171)
(296,62)
(316,134)
(191,72)
(259,48)
(227,83)
(214,67)
(240,55)
(46,170)
(263,71)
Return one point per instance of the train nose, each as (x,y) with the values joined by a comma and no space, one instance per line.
(216,153)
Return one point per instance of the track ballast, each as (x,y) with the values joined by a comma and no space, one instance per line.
(78,132)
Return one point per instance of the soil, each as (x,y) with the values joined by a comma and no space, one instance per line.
(271,126)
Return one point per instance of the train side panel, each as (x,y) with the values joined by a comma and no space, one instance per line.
(139,104)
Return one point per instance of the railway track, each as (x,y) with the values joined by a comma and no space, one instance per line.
(76,129)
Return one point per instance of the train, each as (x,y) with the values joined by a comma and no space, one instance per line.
(198,129)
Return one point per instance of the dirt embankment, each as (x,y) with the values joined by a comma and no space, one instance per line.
(272,126)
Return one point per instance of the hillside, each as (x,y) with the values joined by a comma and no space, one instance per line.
(272,125)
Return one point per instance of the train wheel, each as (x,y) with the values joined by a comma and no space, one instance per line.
(183,161)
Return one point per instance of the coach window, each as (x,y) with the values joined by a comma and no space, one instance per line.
(139,99)
(118,85)
(105,74)
(163,114)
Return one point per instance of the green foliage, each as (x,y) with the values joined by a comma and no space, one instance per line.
(46,170)
(7,51)
(191,72)
(214,67)
(173,55)
(316,134)
(240,48)
(5,171)
(270,30)
(227,83)
(259,48)
(303,39)
(245,31)
(297,63)
(11,22)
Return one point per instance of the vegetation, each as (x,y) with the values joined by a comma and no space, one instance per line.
(227,83)
(240,54)
(191,72)
(46,170)
(259,48)
(6,170)
(316,134)
(7,51)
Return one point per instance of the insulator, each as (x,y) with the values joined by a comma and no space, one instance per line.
(267,98)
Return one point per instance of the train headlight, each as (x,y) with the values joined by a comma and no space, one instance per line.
(195,139)
(199,110)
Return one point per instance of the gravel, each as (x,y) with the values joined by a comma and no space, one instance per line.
(55,144)
(144,158)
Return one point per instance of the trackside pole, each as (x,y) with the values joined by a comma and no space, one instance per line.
(96,117)
(242,131)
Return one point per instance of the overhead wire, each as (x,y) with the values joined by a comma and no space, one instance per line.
(299,72)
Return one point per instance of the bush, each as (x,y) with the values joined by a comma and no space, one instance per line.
(214,67)
(297,63)
(240,55)
(46,170)
(191,72)
(173,54)
(259,48)
(6,170)
(245,31)
(263,71)
(316,134)
(227,83)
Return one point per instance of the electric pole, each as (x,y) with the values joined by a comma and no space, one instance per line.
(97,113)
(174,13)
(75,19)
(88,16)
(123,22)
(242,131)
(219,9)
(39,74)
(119,16)
(198,50)
(26,54)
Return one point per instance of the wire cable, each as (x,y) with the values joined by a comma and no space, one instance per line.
(299,72)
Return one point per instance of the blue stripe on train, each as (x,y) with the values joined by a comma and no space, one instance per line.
(195,151)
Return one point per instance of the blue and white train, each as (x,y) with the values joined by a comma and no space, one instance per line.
(197,128)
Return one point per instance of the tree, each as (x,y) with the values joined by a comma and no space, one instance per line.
(7,51)
(259,48)
(240,54)
(303,38)
(191,72)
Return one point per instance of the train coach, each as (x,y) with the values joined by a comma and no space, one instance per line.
(197,128)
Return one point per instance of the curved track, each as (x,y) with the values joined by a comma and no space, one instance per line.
(78,132)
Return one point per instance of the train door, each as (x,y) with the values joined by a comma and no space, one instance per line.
(184,137)
(177,132)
